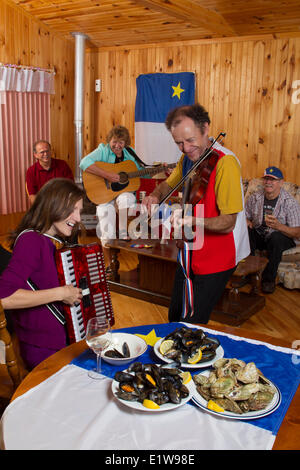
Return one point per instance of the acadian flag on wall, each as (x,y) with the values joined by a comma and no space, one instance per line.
(157,94)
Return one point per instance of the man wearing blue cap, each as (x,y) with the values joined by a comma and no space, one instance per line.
(273,217)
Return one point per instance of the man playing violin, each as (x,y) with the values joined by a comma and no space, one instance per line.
(225,236)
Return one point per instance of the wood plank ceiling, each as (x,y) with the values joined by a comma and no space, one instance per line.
(128,22)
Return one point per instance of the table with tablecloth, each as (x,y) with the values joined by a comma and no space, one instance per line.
(69,410)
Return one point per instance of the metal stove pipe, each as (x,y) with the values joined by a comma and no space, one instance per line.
(80,39)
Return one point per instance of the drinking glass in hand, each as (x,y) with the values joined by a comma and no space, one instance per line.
(98,338)
(268,211)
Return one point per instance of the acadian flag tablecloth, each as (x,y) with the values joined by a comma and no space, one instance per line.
(71,411)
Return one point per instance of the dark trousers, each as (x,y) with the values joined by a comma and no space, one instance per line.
(275,245)
(207,289)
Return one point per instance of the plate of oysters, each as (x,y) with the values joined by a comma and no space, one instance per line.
(189,347)
(152,387)
(235,389)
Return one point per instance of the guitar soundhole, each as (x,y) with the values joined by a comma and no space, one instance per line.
(123,183)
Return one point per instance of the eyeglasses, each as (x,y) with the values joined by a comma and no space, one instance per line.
(270,179)
(43,152)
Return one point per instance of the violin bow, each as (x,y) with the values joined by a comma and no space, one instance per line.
(205,154)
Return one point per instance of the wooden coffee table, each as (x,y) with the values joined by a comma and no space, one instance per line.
(153,278)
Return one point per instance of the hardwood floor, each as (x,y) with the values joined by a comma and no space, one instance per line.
(279,318)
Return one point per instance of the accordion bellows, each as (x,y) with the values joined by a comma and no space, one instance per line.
(83,266)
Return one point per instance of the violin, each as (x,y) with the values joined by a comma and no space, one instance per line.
(196,186)
(200,179)
(205,168)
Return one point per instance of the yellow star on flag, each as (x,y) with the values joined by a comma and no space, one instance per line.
(177,90)
(150,338)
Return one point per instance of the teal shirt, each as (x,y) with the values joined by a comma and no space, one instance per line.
(103,153)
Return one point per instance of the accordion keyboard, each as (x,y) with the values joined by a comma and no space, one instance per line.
(83,266)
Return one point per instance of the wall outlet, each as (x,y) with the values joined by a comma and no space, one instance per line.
(98,84)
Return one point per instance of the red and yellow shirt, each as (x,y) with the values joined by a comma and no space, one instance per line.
(224,195)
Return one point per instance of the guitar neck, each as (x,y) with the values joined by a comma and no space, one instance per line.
(150,171)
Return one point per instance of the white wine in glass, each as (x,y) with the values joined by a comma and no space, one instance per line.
(98,338)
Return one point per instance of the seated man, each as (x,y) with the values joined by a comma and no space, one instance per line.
(273,217)
(44,169)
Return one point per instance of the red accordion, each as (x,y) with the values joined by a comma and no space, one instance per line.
(83,266)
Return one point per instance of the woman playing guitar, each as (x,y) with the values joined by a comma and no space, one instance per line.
(117,149)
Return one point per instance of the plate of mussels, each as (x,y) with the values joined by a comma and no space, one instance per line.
(152,387)
(191,348)
(235,389)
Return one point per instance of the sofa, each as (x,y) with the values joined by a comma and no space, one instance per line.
(289,268)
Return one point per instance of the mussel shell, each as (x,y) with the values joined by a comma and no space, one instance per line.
(211,343)
(166,371)
(158,397)
(121,376)
(207,355)
(114,353)
(127,396)
(173,393)
(155,371)
(184,391)
(126,350)
(136,367)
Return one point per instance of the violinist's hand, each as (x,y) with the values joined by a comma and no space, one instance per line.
(149,200)
(70,295)
(189,222)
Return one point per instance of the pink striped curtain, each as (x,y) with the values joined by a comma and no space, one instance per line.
(24,119)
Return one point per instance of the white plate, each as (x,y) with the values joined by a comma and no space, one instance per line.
(166,407)
(185,365)
(137,347)
(202,403)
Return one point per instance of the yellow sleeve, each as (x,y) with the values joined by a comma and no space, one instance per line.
(176,174)
(228,185)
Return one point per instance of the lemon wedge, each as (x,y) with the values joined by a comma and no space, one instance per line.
(165,346)
(150,404)
(186,377)
(196,357)
(212,405)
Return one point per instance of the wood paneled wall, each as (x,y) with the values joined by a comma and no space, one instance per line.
(25,41)
(245,84)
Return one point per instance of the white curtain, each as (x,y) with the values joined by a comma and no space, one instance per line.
(15,78)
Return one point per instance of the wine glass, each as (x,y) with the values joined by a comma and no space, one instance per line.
(98,337)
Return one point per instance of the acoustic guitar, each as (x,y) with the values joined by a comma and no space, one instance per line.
(100,191)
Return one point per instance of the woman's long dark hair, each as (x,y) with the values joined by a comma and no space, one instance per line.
(54,202)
